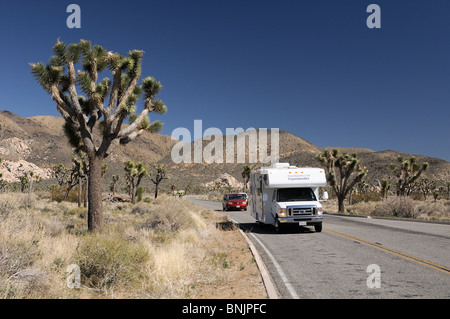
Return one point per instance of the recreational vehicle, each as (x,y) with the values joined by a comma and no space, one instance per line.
(284,194)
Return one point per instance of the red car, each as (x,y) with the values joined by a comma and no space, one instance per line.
(235,201)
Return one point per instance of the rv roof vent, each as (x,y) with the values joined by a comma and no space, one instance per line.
(280,165)
(293,167)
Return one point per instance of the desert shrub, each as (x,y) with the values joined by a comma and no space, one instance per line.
(107,261)
(139,193)
(369,196)
(397,207)
(52,226)
(15,256)
(80,212)
(162,219)
(438,210)
(8,206)
(27,201)
(57,194)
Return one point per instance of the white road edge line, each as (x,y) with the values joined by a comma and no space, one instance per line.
(277,267)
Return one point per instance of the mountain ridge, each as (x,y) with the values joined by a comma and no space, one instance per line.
(40,140)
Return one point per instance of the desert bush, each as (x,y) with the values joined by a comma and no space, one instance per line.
(167,221)
(15,256)
(369,196)
(397,207)
(57,194)
(139,193)
(27,201)
(8,206)
(172,218)
(107,261)
(52,226)
(434,210)
(142,209)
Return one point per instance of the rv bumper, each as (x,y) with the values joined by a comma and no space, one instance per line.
(310,220)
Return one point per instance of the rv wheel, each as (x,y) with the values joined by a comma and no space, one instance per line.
(318,228)
(279,227)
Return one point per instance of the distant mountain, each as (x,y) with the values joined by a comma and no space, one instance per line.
(40,140)
(299,152)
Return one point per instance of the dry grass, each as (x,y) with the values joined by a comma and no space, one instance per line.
(397,207)
(167,249)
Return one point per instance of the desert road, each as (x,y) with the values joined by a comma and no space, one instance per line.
(353,257)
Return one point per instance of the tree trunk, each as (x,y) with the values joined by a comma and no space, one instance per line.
(341,204)
(86,192)
(31,186)
(66,195)
(133,193)
(95,208)
(156,191)
(80,189)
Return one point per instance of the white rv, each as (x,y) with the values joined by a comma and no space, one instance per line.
(284,194)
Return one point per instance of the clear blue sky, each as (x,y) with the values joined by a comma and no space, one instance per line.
(309,67)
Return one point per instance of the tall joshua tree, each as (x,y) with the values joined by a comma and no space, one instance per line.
(343,173)
(407,173)
(246,176)
(135,172)
(160,175)
(104,106)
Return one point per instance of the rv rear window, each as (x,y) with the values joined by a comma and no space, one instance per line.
(295,195)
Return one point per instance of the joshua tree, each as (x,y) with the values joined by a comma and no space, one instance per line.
(61,173)
(339,171)
(385,187)
(246,176)
(407,173)
(115,179)
(135,172)
(448,190)
(160,175)
(426,186)
(24,182)
(435,195)
(31,179)
(2,184)
(84,113)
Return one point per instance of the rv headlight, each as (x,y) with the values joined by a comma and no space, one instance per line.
(282,213)
(319,211)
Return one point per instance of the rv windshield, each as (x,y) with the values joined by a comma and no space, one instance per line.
(295,195)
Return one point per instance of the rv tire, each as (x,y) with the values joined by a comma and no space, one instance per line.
(318,228)
(279,227)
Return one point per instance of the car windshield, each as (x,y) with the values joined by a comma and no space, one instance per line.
(295,195)
(234,197)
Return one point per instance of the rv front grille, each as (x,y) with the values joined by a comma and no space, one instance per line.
(302,211)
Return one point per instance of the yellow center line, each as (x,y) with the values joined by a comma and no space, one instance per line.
(392,251)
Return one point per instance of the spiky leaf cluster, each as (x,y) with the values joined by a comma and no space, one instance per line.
(407,172)
(343,171)
(84,101)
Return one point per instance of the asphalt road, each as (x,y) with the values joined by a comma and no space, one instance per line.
(353,257)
